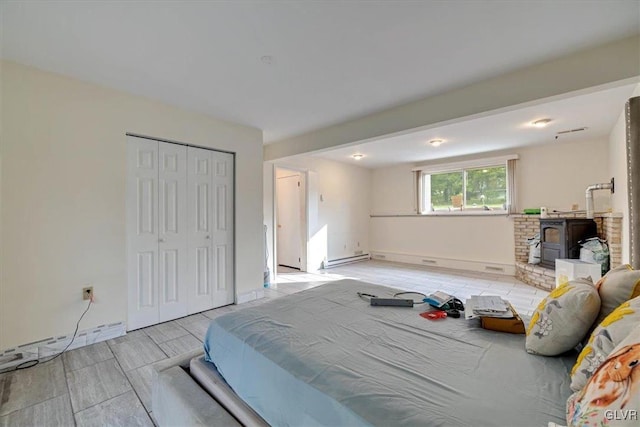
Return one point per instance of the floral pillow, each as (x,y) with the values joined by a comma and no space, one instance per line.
(609,333)
(612,395)
(563,318)
(617,286)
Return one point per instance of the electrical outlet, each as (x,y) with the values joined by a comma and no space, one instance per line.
(87,293)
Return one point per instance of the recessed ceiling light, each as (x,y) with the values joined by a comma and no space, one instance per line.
(357,156)
(541,123)
(436,142)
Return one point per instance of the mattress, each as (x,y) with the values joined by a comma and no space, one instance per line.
(324,356)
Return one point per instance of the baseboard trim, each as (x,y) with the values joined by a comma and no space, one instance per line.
(250,295)
(51,346)
(456,264)
(347,260)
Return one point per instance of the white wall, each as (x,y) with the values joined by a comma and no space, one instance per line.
(618,170)
(553,175)
(556,175)
(63,197)
(342,194)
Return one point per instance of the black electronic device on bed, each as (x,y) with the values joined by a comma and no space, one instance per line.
(391,302)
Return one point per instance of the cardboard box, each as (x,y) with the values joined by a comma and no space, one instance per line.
(569,269)
(512,325)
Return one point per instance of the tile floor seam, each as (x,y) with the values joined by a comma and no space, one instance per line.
(15,371)
(135,392)
(66,382)
(113,397)
(163,352)
(40,403)
(101,402)
(31,406)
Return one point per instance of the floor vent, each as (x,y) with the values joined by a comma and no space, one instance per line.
(497,269)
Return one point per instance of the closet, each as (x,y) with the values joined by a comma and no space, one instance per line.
(180,254)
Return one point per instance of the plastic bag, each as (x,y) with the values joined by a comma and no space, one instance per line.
(534,249)
(595,251)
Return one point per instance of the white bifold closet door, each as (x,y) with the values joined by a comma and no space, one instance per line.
(179,231)
(157,231)
(210,213)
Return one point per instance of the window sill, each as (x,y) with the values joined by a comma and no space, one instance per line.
(469,212)
(452,214)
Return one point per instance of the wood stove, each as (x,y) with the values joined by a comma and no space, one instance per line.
(559,238)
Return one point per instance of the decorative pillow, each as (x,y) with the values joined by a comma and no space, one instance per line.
(563,318)
(617,286)
(612,395)
(611,331)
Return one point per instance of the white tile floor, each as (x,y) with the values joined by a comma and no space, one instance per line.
(460,283)
(109,383)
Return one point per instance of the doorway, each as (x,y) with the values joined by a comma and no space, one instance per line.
(290,220)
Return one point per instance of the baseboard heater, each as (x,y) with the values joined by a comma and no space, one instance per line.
(340,261)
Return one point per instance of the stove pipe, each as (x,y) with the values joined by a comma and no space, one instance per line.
(589,194)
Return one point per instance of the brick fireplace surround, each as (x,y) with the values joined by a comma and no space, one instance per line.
(526,226)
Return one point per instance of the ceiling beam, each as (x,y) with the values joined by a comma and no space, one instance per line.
(618,61)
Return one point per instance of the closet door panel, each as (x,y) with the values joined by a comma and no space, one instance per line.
(180,254)
(142,232)
(172,240)
(222,236)
(199,210)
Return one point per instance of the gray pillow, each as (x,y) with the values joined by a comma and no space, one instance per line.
(563,318)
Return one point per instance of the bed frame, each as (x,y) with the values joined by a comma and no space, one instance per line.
(189,391)
(181,395)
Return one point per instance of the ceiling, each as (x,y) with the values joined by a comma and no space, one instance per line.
(597,111)
(290,67)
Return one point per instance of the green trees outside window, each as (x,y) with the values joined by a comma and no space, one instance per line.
(480,188)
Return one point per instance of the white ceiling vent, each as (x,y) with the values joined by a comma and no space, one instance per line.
(563,132)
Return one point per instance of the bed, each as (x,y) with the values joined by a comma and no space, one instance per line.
(324,356)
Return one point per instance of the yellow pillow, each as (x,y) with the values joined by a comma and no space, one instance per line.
(617,286)
(563,318)
(612,395)
(609,333)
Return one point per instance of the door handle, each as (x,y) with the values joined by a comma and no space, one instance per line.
(207,237)
(161,240)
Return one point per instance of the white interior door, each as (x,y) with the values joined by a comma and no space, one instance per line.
(172,229)
(142,232)
(222,224)
(200,289)
(180,252)
(289,222)
(210,223)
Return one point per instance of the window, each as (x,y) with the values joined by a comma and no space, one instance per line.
(484,186)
